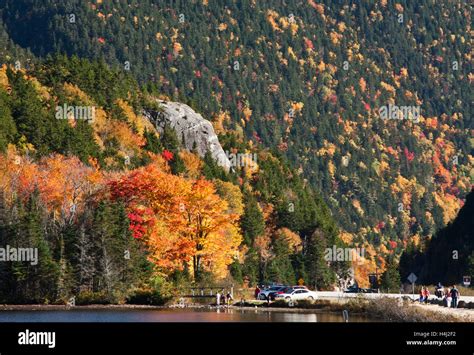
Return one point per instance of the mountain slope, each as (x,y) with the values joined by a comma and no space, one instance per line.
(309,79)
(120,211)
(449,254)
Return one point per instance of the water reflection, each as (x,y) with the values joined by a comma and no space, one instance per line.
(172,315)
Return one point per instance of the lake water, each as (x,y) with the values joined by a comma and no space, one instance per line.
(171,315)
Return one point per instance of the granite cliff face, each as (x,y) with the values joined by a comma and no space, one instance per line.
(192,129)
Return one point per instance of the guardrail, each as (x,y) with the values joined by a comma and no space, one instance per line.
(204,292)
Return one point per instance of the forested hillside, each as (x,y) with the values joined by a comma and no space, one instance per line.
(120,213)
(359,116)
(307,78)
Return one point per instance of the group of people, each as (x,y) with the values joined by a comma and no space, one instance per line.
(449,295)
(226,298)
(424,294)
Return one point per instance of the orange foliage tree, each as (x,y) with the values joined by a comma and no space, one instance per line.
(63,183)
(184,222)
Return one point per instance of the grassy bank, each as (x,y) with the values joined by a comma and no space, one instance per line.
(383,309)
(393,310)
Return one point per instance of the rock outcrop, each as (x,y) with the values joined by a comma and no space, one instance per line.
(191,128)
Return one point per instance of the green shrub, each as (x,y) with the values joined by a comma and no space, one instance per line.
(89,297)
(305,304)
(279,303)
(146,297)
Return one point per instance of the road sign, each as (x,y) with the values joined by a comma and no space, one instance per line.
(412,278)
(466,280)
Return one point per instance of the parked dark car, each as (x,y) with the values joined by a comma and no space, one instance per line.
(357,289)
(264,294)
(271,295)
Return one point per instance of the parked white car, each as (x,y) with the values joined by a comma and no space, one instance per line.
(297,295)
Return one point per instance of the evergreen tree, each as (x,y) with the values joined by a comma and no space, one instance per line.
(280,269)
(236,271)
(211,170)
(33,283)
(170,142)
(169,139)
(28,113)
(152,144)
(319,274)
(118,258)
(252,221)
(7,125)
(251,268)
(390,280)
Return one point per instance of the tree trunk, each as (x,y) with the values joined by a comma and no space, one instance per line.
(196,262)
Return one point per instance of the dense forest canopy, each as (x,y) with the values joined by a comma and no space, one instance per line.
(359,116)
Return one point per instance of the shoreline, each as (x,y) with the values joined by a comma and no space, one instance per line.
(34,307)
(433,311)
(50,307)
(462,314)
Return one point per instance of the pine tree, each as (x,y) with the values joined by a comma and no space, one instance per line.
(252,221)
(27,111)
(236,271)
(7,125)
(119,262)
(34,283)
(390,280)
(211,170)
(152,144)
(250,268)
(319,274)
(170,142)
(169,139)
(280,269)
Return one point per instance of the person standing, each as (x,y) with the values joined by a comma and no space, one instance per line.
(426,295)
(257,292)
(228,298)
(218,298)
(454,296)
(447,297)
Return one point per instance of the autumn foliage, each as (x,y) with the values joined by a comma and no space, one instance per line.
(184,222)
(63,183)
